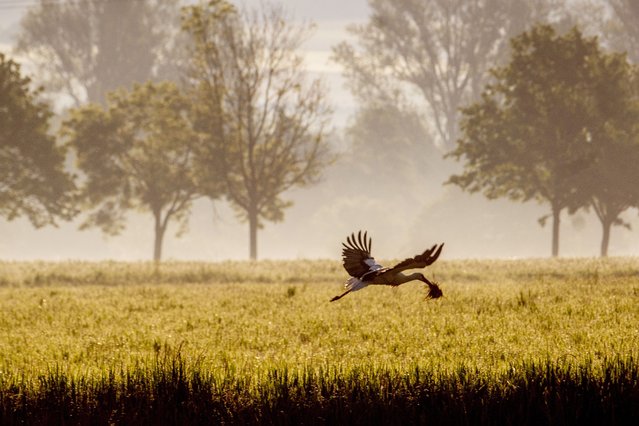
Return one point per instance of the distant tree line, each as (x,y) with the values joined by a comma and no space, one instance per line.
(534,109)
(171,104)
(242,121)
(559,124)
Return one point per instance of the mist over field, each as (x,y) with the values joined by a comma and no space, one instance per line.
(402,219)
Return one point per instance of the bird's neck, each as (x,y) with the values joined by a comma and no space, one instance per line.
(403,278)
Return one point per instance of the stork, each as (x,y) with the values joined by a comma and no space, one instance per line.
(364,270)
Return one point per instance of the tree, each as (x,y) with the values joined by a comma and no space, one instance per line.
(527,137)
(384,137)
(33,182)
(86,48)
(610,180)
(441,49)
(138,153)
(266,124)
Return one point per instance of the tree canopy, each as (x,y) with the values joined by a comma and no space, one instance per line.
(436,51)
(528,137)
(86,48)
(33,181)
(266,123)
(610,179)
(137,153)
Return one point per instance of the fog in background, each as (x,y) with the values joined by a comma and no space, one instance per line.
(403,205)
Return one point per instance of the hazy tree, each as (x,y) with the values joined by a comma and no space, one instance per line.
(527,137)
(265,122)
(86,48)
(138,153)
(610,180)
(612,183)
(387,137)
(627,12)
(440,48)
(33,182)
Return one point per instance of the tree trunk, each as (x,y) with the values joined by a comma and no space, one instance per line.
(555,231)
(605,239)
(253,222)
(159,236)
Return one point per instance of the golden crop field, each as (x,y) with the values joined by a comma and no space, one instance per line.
(247,321)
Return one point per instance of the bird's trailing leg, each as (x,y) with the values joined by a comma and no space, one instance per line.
(341,295)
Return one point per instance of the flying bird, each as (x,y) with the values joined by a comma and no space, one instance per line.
(364,270)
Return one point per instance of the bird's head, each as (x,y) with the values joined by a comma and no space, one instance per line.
(434,292)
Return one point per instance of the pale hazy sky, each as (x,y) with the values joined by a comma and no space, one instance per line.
(323,12)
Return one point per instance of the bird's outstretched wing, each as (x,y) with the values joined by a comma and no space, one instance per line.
(428,257)
(356,255)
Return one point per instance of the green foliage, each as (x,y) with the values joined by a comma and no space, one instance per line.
(523,139)
(531,135)
(608,181)
(33,182)
(137,153)
(232,341)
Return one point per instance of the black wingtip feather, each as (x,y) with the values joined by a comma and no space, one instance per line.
(356,253)
(358,242)
(437,252)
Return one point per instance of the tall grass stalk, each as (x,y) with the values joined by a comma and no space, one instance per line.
(174,391)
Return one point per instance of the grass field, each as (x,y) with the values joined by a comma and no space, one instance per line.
(251,341)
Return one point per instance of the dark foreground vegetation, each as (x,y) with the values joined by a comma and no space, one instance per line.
(172,391)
